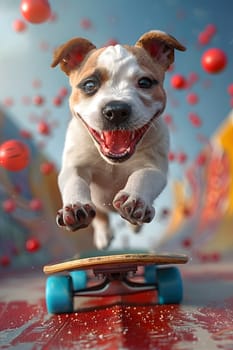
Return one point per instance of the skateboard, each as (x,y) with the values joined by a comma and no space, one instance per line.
(113,273)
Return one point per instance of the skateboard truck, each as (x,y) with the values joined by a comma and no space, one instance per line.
(115,283)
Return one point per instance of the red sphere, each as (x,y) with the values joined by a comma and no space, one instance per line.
(178,81)
(35,11)
(14,155)
(214,60)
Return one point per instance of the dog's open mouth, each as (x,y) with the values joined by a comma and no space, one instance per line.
(119,145)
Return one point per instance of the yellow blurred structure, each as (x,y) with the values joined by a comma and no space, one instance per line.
(203,201)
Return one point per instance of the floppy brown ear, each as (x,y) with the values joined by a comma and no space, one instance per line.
(160,46)
(71,54)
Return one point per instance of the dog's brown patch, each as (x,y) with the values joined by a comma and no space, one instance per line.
(152,68)
(87,69)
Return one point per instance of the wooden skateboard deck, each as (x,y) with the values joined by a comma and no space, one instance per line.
(119,260)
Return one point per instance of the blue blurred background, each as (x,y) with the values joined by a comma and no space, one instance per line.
(31,94)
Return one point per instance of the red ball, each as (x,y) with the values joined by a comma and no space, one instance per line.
(214,60)
(14,155)
(35,11)
(178,81)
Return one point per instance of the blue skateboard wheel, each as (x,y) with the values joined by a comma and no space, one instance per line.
(150,274)
(59,294)
(79,280)
(169,284)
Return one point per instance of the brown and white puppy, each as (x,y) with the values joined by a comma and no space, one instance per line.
(116,148)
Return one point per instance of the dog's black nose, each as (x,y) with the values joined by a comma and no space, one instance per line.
(116,111)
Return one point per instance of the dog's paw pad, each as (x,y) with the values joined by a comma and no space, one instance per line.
(133,209)
(75,216)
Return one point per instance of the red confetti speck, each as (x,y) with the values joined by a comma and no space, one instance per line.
(5,260)
(9,205)
(211,29)
(192,98)
(8,102)
(47,168)
(25,134)
(192,78)
(26,100)
(171,156)
(168,119)
(35,204)
(187,243)
(203,38)
(195,120)
(53,17)
(178,81)
(19,26)
(32,245)
(86,23)
(44,46)
(36,83)
(63,92)
(57,101)
(206,36)
(182,157)
(38,100)
(44,128)
(230,89)
(201,159)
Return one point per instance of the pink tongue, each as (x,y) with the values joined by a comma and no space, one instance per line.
(117,141)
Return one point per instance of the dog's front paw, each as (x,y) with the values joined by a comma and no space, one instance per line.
(75,216)
(132,208)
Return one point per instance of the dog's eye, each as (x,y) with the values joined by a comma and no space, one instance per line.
(89,86)
(146,83)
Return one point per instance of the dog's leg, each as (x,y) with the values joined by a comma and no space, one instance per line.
(78,210)
(134,202)
(102,231)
